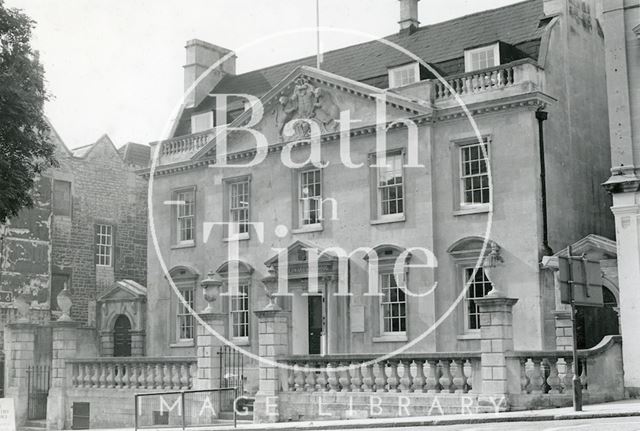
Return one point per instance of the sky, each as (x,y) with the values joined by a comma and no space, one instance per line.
(115,66)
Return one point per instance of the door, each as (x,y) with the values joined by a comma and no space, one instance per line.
(122,336)
(315,324)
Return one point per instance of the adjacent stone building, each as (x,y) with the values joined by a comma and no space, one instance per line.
(622,35)
(87,230)
(531,75)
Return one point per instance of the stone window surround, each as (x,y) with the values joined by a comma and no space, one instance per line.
(226,211)
(174,217)
(376,217)
(245,275)
(187,279)
(456,143)
(296,178)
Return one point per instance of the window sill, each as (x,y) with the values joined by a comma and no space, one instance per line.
(391,338)
(389,219)
(472,210)
(470,336)
(240,237)
(241,341)
(189,244)
(183,343)
(308,229)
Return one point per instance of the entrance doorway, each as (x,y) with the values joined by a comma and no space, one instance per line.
(122,336)
(315,313)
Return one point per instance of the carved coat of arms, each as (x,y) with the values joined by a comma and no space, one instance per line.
(306,102)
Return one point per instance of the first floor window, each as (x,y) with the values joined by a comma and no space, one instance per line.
(62,198)
(391,186)
(479,286)
(185,326)
(104,244)
(474,176)
(394,305)
(239,311)
(185,215)
(239,205)
(310,197)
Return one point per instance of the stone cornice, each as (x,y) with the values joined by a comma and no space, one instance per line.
(624,179)
(533,101)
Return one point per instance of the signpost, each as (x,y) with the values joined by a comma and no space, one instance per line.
(580,284)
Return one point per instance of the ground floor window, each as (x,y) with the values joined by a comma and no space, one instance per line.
(239,311)
(479,286)
(184,318)
(393,304)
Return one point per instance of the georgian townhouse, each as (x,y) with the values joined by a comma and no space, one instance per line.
(531,75)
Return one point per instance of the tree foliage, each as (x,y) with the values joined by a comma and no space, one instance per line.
(25,146)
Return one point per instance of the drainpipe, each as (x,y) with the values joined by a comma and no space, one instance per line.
(542,116)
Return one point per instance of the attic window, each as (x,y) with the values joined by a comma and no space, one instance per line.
(201,122)
(404,75)
(484,57)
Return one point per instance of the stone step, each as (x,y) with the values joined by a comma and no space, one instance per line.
(36,423)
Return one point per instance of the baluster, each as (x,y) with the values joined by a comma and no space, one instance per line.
(184,375)
(167,381)
(110,376)
(356,377)
(344,378)
(132,372)
(394,379)
(467,369)
(332,378)
(380,379)
(524,378)
(584,377)
(459,380)
(321,378)
(368,380)
(310,381)
(567,381)
(405,380)
(86,380)
(77,375)
(553,380)
(419,380)
(291,380)
(299,377)
(159,380)
(192,372)
(433,378)
(142,376)
(117,378)
(446,379)
(536,379)
(175,376)
(150,376)
(102,377)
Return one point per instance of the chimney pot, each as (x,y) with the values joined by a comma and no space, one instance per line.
(409,15)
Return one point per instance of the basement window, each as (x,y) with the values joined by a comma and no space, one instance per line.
(404,75)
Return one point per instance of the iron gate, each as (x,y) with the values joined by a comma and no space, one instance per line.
(38,379)
(231,374)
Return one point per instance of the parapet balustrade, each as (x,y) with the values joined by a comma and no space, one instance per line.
(132,373)
(549,372)
(427,373)
(483,81)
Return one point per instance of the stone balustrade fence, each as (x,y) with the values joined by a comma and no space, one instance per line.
(132,373)
(425,373)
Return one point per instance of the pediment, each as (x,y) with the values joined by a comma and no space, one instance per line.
(124,290)
(311,95)
(297,254)
(594,247)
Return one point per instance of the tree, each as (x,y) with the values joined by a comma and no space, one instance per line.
(25,146)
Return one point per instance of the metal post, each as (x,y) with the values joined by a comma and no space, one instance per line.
(577,387)
(135,411)
(184,425)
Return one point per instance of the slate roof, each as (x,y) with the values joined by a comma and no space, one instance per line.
(135,154)
(441,45)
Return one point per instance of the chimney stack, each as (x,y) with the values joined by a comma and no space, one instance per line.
(200,57)
(409,15)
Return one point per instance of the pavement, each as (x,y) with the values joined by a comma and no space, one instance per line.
(618,409)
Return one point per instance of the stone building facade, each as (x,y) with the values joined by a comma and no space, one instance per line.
(522,72)
(622,31)
(86,231)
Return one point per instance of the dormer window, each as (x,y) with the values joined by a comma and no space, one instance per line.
(404,75)
(483,57)
(201,122)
